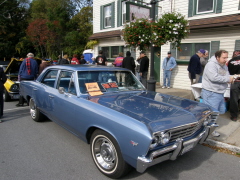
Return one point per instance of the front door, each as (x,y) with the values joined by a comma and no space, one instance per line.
(157,61)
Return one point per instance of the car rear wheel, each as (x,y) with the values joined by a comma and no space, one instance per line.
(34,112)
(6,96)
(107,156)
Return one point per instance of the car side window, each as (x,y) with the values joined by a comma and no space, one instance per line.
(50,78)
(66,80)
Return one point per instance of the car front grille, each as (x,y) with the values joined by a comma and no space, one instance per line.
(185,131)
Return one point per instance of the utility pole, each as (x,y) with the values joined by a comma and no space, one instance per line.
(152,81)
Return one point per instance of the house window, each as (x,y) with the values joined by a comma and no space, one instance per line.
(198,7)
(115,51)
(189,49)
(105,51)
(204,6)
(107,16)
(124,12)
(111,52)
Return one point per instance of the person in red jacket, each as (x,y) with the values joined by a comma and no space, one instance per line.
(75,59)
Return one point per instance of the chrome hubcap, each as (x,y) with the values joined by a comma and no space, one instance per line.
(32,109)
(105,153)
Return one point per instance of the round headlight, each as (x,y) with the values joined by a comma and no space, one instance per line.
(154,143)
(207,121)
(14,88)
(165,138)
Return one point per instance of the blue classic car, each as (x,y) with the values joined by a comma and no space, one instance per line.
(125,125)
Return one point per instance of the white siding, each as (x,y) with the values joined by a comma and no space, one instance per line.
(111,42)
(181,6)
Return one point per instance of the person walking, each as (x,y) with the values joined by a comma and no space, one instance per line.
(234,69)
(144,64)
(3,79)
(194,66)
(168,64)
(28,71)
(75,59)
(101,59)
(215,82)
(128,62)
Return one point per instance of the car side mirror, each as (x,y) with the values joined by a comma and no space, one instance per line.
(61,90)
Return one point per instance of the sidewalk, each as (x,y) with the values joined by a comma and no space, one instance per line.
(229,130)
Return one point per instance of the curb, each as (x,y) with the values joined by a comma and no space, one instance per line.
(223,145)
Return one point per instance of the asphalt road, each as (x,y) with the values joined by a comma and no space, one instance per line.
(46,151)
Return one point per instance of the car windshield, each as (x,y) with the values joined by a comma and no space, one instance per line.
(109,81)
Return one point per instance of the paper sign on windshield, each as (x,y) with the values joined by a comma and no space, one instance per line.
(93,89)
(109,85)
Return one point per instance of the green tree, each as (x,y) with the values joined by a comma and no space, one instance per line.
(13,22)
(81,30)
(57,14)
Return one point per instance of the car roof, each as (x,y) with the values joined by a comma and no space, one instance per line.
(86,67)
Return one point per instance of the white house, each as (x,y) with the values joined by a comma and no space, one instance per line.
(214,25)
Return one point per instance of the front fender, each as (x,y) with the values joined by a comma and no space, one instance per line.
(133,136)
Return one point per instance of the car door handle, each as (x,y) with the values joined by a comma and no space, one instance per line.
(35,89)
(51,96)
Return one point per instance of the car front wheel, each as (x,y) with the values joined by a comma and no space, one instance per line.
(107,156)
(34,112)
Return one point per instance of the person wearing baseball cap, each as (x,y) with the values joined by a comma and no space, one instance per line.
(195,67)
(168,64)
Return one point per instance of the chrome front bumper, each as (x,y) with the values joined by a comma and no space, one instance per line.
(171,152)
(14,95)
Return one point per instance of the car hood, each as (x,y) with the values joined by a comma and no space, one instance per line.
(13,66)
(158,111)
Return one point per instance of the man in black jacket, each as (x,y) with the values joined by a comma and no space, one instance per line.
(195,67)
(3,79)
(144,64)
(64,60)
(128,62)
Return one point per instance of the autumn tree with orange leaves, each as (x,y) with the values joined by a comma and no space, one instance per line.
(42,34)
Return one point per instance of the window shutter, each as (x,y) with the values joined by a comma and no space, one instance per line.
(101,18)
(113,15)
(156,11)
(173,51)
(219,6)
(237,45)
(190,8)
(239,6)
(214,47)
(119,13)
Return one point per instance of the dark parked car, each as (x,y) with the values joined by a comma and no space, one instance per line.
(125,125)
